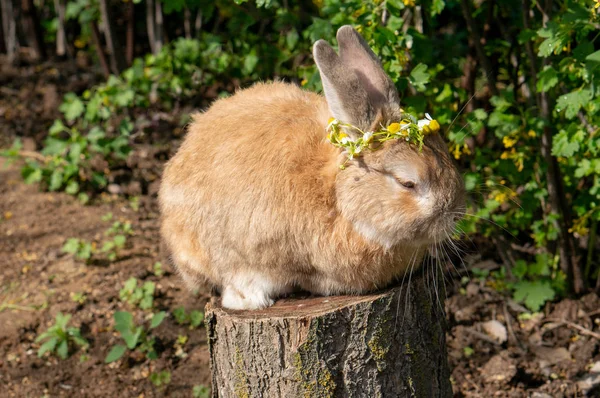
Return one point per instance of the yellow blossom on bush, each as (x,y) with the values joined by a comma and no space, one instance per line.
(409,3)
(509,141)
(532,133)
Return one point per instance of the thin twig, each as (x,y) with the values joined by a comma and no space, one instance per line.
(511,332)
(482,336)
(581,329)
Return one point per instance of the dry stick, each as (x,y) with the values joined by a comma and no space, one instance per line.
(117,59)
(483,58)
(62,47)
(585,331)
(150,25)
(482,336)
(557,202)
(99,50)
(511,332)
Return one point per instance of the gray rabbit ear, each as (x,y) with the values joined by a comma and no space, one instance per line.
(347,98)
(356,55)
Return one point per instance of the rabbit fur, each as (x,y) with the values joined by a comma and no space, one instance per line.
(255,203)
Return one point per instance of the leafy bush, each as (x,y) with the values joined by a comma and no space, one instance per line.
(59,336)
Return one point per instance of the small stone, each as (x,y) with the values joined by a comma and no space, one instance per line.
(495,330)
(114,189)
(498,369)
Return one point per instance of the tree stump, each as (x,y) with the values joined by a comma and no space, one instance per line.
(387,344)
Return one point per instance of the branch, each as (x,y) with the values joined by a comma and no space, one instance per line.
(483,58)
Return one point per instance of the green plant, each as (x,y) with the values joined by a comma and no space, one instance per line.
(194,318)
(116,238)
(78,297)
(157,269)
(538,282)
(200,391)
(160,379)
(80,248)
(142,296)
(135,337)
(59,336)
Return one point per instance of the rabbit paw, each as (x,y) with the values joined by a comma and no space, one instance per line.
(249,292)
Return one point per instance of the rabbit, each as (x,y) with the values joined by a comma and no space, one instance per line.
(255,203)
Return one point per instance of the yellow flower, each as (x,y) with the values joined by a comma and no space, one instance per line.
(409,3)
(509,141)
(466,149)
(532,134)
(434,126)
(504,155)
(331,119)
(501,197)
(303,82)
(394,128)
(456,152)
(342,136)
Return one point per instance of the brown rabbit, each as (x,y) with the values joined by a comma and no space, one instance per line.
(255,202)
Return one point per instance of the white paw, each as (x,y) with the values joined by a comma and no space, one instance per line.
(250,300)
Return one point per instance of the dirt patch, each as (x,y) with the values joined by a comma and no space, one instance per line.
(37,281)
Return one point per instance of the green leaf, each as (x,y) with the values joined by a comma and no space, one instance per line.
(115,353)
(48,346)
(563,145)
(72,187)
(56,128)
(71,246)
(56,180)
(533,294)
(72,107)
(520,269)
(572,102)
(419,77)
(63,349)
(157,319)
(250,62)
(594,57)
(123,320)
(119,240)
(33,176)
(547,79)
(196,318)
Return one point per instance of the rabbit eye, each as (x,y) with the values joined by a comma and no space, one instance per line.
(407,184)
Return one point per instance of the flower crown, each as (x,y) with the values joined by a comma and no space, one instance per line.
(410,129)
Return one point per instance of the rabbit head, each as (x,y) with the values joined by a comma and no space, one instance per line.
(398,193)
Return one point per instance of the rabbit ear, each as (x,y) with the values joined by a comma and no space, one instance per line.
(347,98)
(356,54)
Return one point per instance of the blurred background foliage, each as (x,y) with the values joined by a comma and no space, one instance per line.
(514,85)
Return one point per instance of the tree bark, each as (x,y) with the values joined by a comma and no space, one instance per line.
(388,344)
(130,42)
(33,28)
(117,58)
(158,26)
(9,27)
(61,37)
(99,50)
(476,41)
